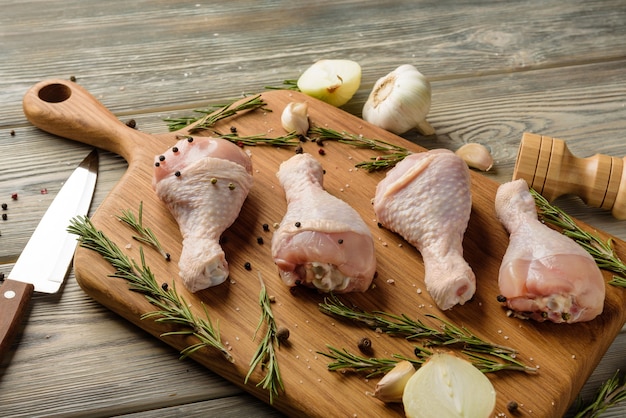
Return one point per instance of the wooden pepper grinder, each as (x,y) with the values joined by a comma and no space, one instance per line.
(552,170)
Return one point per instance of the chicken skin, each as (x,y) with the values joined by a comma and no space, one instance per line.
(544,275)
(322,242)
(203,181)
(426,199)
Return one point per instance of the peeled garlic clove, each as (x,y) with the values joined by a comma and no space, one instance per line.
(332,81)
(447,386)
(295,118)
(400,102)
(476,156)
(391,387)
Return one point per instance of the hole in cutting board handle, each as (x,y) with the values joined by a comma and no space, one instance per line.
(55,93)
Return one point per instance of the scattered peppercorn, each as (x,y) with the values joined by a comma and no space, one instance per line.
(321,151)
(213,180)
(365,345)
(157,164)
(259,240)
(5,217)
(168,257)
(190,139)
(512,406)
(12,132)
(379,225)
(161,157)
(5,206)
(1,277)
(174,149)
(131,123)
(44,191)
(14,196)
(282,334)
(298,224)
(340,241)
(233,129)
(501,298)
(231,186)
(320,142)
(73,78)
(164,286)
(299,150)
(266,227)
(247,266)
(177,173)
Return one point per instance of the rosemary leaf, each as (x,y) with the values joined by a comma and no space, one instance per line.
(171,307)
(610,393)
(265,354)
(289,140)
(145,234)
(290,84)
(601,251)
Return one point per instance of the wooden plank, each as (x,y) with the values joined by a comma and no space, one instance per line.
(548,393)
(185,53)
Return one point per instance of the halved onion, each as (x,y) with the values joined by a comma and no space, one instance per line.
(332,81)
(447,386)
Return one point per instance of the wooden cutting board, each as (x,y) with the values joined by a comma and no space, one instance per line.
(564,354)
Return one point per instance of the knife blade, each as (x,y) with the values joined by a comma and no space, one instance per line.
(44,263)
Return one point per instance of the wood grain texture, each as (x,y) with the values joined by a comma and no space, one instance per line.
(497,69)
(559,351)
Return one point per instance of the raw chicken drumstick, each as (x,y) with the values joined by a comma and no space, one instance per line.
(544,274)
(204,182)
(322,242)
(426,199)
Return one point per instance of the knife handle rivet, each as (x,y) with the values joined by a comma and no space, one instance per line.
(9,294)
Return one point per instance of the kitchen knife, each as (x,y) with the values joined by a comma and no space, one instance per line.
(44,263)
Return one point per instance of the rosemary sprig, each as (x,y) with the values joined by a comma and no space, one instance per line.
(395,153)
(265,354)
(214,113)
(145,234)
(344,360)
(610,393)
(289,140)
(290,84)
(401,325)
(601,251)
(171,307)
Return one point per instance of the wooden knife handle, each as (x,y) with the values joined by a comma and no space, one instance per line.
(14,298)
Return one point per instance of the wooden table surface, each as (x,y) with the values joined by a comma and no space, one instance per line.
(497,69)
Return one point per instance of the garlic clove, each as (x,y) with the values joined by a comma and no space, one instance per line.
(447,386)
(295,118)
(400,102)
(476,156)
(332,81)
(391,387)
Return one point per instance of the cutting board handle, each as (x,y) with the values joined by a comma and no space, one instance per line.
(64,108)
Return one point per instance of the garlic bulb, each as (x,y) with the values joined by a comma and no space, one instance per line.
(391,387)
(295,118)
(332,81)
(476,156)
(447,386)
(400,101)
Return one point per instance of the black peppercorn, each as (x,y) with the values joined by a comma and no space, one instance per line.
(298,224)
(164,286)
(157,164)
(266,227)
(365,345)
(177,173)
(247,266)
(512,406)
(5,217)
(190,139)
(5,206)
(259,240)
(282,334)
(174,149)
(161,157)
